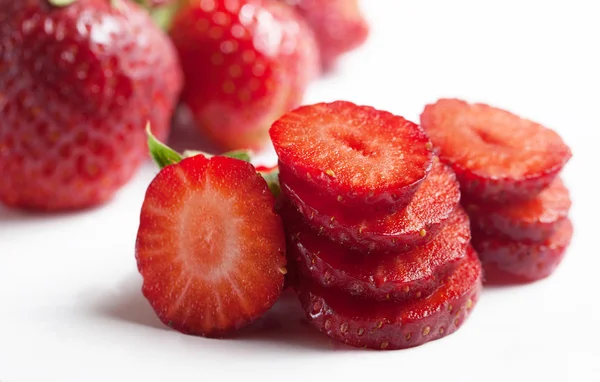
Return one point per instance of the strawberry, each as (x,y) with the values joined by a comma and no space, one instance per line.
(378,276)
(414,225)
(210,247)
(512,261)
(532,220)
(245,62)
(387,326)
(77,85)
(334,147)
(496,155)
(339,26)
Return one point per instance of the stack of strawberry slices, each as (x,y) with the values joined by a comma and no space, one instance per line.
(508,171)
(378,243)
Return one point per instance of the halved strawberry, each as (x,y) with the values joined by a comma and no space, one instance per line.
(533,220)
(387,326)
(513,261)
(497,156)
(414,225)
(210,247)
(378,276)
(357,156)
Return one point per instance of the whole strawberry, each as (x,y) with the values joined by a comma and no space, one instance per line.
(79,80)
(339,26)
(245,62)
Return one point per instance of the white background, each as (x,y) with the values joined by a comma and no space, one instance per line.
(70,306)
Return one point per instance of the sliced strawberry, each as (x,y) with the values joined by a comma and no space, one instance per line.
(335,147)
(497,156)
(377,276)
(414,225)
(533,220)
(515,261)
(387,326)
(210,247)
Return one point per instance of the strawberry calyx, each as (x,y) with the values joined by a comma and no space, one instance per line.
(161,154)
(165,156)
(272,178)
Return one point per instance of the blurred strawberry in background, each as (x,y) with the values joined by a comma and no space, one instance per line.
(339,26)
(245,62)
(79,80)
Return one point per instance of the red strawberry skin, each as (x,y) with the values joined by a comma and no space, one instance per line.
(498,157)
(339,26)
(516,262)
(210,247)
(246,63)
(414,225)
(333,147)
(532,221)
(77,86)
(379,276)
(389,326)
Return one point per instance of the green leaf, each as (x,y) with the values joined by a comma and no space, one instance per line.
(272,179)
(61,3)
(244,155)
(162,154)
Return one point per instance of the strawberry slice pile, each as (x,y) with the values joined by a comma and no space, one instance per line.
(508,172)
(365,216)
(378,243)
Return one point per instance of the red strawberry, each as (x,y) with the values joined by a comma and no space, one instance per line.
(377,276)
(511,261)
(77,86)
(533,220)
(496,155)
(210,247)
(387,326)
(412,226)
(338,25)
(335,147)
(246,63)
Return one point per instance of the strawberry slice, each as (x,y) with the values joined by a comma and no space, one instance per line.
(210,247)
(414,225)
(516,262)
(497,156)
(380,277)
(335,146)
(533,220)
(387,326)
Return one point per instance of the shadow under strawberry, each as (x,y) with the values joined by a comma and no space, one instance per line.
(129,306)
(283,326)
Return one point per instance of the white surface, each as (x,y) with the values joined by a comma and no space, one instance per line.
(70,306)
